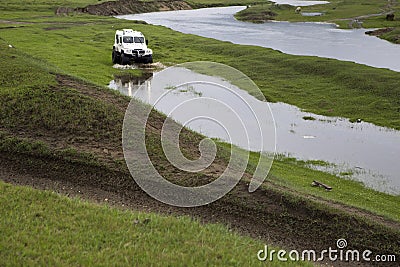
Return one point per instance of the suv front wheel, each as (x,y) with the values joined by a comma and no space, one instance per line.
(148,59)
(115,57)
(125,60)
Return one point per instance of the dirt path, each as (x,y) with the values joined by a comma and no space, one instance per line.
(356,22)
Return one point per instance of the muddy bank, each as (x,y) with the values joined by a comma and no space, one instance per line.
(123,7)
(379,32)
(389,34)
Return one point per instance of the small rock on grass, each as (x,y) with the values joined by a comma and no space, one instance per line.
(145,221)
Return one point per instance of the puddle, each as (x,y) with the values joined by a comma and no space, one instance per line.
(299,2)
(360,151)
(311,14)
(128,84)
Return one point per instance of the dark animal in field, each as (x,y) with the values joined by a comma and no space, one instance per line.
(390,17)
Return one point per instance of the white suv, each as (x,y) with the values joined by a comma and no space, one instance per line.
(130,45)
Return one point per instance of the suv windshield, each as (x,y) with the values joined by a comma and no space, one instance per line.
(128,39)
(139,40)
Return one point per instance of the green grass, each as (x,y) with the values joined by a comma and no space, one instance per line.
(39,6)
(308,118)
(42,150)
(30,100)
(42,228)
(216,3)
(11,9)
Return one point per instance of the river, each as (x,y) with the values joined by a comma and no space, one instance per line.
(311,39)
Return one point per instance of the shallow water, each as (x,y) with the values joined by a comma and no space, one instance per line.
(299,2)
(367,151)
(313,39)
(311,14)
(128,84)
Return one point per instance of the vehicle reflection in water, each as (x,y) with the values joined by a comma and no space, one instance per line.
(128,84)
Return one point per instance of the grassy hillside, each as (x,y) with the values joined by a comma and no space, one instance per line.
(42,228)
(59,122)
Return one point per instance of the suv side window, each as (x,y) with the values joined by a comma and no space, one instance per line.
(120,40)
(117,39)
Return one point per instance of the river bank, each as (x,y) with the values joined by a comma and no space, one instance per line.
(345,14)
(391,34)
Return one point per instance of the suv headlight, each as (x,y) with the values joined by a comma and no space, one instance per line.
(149,51)
(128,51)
